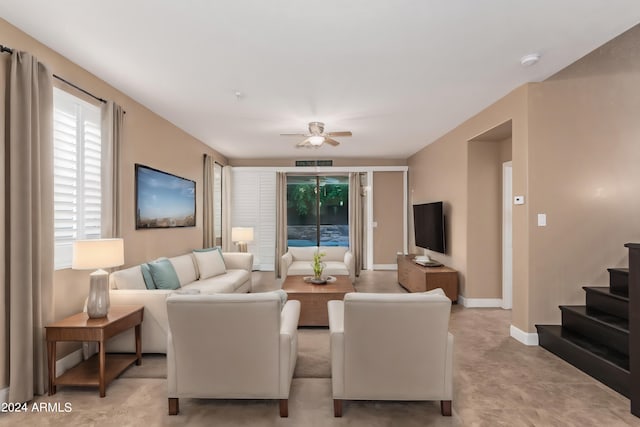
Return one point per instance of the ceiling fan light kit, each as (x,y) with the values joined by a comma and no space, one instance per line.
(316,140)
(316,136)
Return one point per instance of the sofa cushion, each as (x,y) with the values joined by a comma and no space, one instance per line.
(333,253)
(164,275)
(146,275)
(129,278)
(210,263)
(223,283)
(300,268)
(335,268)
(185,268)
(303,253)
(304,268)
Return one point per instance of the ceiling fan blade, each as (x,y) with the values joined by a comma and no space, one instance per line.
(304,143)
(343,133)
(294,134)
(331,141)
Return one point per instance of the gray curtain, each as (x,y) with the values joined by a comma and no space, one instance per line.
(281,219)
(227,244)
(28,209)
(355,219)
(112,125)
(208,229)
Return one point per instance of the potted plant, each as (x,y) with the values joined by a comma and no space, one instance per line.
(318,266)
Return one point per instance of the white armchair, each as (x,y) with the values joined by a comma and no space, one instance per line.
(231,346)
(338,261)
(391,347)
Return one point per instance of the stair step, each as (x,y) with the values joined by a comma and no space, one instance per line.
(599,327)
(602,299)
(602,363)
(619,280)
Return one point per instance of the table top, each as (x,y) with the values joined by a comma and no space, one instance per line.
(82,320)
(296,284)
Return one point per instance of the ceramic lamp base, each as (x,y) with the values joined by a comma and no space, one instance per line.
(98,302)
(242,246)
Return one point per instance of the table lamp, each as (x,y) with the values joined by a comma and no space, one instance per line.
(242,235)
(98,253)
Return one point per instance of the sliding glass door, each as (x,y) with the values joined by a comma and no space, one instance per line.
(318,210)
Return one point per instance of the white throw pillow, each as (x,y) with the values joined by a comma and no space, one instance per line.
(210,263)
(185,269)
(129,278)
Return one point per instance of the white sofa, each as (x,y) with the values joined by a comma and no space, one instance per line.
(128,287)
(391,347)
(338,261)
(231,347)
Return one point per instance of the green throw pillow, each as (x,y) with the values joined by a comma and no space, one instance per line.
(164,275)
(146,275)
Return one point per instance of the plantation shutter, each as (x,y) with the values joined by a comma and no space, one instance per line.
(254,205)
(76,170)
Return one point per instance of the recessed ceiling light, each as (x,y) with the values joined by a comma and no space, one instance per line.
(530,59)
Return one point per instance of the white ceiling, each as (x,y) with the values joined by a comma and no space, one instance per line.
(397,73)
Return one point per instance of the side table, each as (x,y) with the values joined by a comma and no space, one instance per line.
(100,369)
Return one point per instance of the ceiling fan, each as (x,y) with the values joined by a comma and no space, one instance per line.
(316,136)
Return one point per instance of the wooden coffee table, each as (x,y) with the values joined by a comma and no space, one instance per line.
(313,298)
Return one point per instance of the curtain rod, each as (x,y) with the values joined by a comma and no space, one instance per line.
(5,49)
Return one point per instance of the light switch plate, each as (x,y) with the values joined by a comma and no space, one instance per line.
(542,220)
(518,200)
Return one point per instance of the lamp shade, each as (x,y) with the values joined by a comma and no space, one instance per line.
(97,253)
(242,234)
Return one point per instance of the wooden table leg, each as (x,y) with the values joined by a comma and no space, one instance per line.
(51,359)
(103,391)
(138,344)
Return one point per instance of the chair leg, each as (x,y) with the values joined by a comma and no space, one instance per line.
(337,408)
(174,406)
(445,407)
(284,408)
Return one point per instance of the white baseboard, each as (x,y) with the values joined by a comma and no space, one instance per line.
(62,365)
(390,267)
(68,362)
(480,302)
(525,338)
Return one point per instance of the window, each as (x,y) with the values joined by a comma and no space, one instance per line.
(76,173)
(254,205)
(318,211)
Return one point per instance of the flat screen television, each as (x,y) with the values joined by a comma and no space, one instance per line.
(164,200)
(428,225)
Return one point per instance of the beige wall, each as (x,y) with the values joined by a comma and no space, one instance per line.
(484,221)
(148,139)
(584,174)
(439,172)
(575,157)
(336,162)
(388,201)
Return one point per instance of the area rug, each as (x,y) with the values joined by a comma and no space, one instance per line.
(314,360)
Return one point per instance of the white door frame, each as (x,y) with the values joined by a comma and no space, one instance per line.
(507,235)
